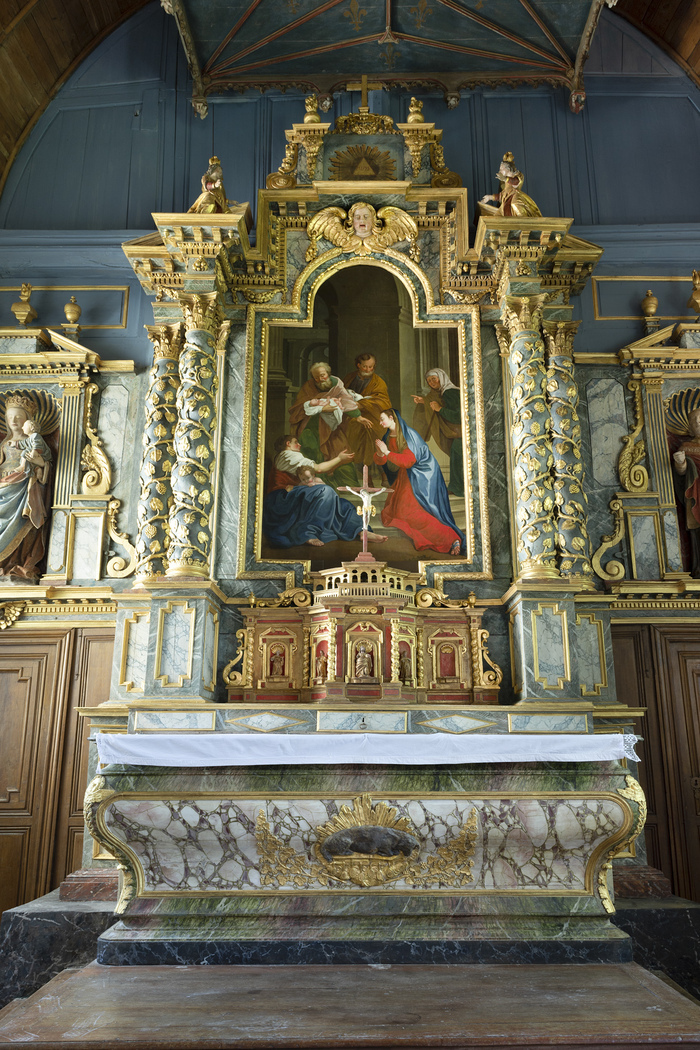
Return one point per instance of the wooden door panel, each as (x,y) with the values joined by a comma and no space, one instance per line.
(90,678)
(636,687)
(32,692)
(678,659)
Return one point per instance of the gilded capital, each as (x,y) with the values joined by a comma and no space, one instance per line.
(201,311)
(167,340)
(523,312)
(559,337)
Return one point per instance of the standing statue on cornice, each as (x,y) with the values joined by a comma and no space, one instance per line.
(212,199)
(686,465)
(512,202)
(25,494)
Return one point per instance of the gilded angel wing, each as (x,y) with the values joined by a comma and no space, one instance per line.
(398,226)
(329,224)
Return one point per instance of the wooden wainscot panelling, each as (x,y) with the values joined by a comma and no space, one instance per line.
(44,677)
(658,667)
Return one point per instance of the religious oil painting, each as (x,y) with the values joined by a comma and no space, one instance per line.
(365,422)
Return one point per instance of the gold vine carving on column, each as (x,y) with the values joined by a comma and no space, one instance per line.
(612,570)
(633,476)
(332,859)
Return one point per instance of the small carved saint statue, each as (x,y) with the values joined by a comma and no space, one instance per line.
(277,662)
(321,665)
(363,661)
(405,669)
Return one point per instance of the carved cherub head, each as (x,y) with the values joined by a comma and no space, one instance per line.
(362,217)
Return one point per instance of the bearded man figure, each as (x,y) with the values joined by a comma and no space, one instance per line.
(361,433)
(318,418)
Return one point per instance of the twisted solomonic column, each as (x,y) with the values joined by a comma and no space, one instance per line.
(194,472)
(157,460)
(570,501)
(530,437)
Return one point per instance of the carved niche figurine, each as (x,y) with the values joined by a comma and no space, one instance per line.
(363,661)
(25,483)
(362,230)
(212,199)
(321,665)
(277,662)
(405,669)
(511,201)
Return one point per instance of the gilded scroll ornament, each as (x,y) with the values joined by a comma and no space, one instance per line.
(428,596)
(612,570)
(633,476)
(442,177)
(232,674)
(365,124)
(285,176)
(491,674)
(362,230)
(367,846)
(634,793)
(9,612)
(97,478)
(97,792)
(298,596)
(118,567)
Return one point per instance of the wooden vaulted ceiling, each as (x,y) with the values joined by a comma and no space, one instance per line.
(43,41)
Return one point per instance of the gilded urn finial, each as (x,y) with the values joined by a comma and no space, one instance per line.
(415,112)
(311,116)
(649,304)
(23,310)
(72,311)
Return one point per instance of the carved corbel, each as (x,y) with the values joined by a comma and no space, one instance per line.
(298,596)
(240,677)
(634,793)
(490,675)
(97,793)
(285,176)
(612,570)
(633,476)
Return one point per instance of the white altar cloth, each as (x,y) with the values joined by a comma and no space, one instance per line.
(337,749)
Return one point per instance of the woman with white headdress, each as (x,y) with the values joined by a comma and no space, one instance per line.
(439,416)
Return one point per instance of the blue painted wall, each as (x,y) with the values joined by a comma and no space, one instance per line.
(121,140)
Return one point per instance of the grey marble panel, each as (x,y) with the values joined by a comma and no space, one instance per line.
(114,430)
(171,721)
(548,723)
(646,551)
(591,655)
(608,425)
(178,629)
(674,561)
(549,637)
(57,542)
(87,548)
(361,722)
(135,667)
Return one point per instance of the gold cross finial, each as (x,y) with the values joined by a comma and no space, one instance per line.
(365,87)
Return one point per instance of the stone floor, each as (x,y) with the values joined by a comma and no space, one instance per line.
(295,1007)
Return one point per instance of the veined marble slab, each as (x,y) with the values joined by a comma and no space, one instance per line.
(361,722)
(173,721)
(548,723)
(244,845)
